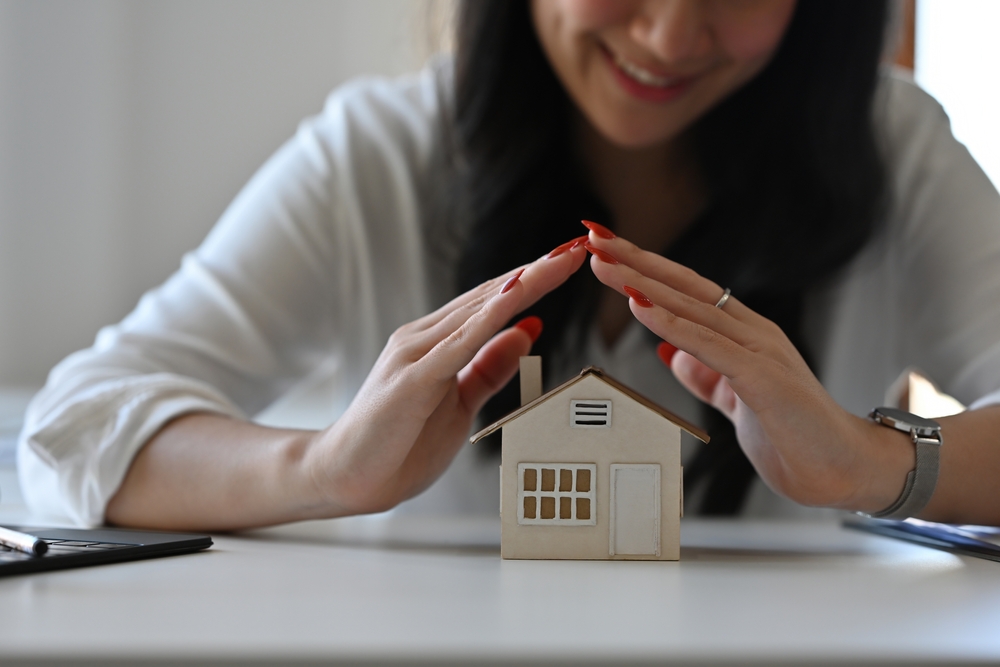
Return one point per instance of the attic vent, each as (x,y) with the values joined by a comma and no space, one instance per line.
(590,414)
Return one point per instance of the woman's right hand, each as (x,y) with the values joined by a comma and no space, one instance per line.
(415,409)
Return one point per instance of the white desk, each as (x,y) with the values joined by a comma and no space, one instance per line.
(437,592)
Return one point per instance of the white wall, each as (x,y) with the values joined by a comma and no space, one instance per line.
(126,126)
(957,61)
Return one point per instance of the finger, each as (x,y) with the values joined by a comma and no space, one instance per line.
(704,384)
(538,278)
(724,399)
(620,277)
(668,272)
(492,367)
(550,271)
(478,294)
(457,349)
(712,348)
(568,256)
(694,376)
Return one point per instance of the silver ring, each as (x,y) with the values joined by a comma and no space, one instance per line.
(723,299)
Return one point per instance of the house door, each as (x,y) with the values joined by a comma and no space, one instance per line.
(635,509)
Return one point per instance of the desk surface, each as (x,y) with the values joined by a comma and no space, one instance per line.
(422,591)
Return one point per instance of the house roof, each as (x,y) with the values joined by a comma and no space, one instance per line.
(604,377)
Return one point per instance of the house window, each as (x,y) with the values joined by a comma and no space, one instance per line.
(590,414)
(556,494)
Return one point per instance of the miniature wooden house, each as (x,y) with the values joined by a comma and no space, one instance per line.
(590,470)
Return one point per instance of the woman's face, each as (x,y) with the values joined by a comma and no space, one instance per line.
(643,70)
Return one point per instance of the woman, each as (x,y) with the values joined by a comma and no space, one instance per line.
(735,136)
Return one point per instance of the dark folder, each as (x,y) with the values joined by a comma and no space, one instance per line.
(70,547)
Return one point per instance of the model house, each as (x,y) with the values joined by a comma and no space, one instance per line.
(590,470)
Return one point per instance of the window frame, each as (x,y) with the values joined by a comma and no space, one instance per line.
(556,494)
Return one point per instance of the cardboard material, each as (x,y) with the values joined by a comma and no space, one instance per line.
(531,379)
(572,513)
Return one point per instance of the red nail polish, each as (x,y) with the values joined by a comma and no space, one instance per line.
(600,230)
(509,285)
(606,257)
(560,249)
(665,351)
(638,296)
(579,241)
(531,325)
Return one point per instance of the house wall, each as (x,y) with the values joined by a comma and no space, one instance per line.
(544,435)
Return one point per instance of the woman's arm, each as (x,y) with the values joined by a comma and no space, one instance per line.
(804,445)
(401,431)
(322,255)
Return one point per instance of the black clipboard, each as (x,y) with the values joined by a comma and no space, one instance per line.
(72,547)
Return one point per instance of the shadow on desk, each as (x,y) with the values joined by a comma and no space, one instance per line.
(736,554)
(433,534)
(701,541)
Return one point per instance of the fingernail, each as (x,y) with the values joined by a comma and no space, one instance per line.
(509,285)
(600,230)
(638,296)
(569,245)
(531,325)
(665,351)
(606,257)
(560,249)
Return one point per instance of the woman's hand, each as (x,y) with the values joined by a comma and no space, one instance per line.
(804,445)
(414,411)
(416,407)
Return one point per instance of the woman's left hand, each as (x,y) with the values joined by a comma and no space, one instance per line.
(802,443)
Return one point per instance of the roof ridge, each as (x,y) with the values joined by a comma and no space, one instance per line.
(600,373)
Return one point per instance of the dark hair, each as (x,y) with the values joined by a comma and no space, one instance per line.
(792,168)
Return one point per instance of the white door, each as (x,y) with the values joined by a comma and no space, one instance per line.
(635,509)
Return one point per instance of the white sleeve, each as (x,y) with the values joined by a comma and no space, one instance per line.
(949,253)
(314,263)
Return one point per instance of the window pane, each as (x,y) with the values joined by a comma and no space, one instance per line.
(530,479)
(529,507)
(565,480)
(583,481)
(548,479)
(565,508)
(548,504)
(582,508)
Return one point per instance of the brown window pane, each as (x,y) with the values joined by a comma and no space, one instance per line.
(530,479)
(548,505)
(548,479)
(565,508)
(583,481)
(565,480)
(582,508)
(529,507)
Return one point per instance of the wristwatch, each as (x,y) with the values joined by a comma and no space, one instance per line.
(920,482)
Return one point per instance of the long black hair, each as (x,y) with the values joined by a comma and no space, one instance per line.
(791,164)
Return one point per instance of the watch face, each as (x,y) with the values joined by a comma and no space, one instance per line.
(904,421)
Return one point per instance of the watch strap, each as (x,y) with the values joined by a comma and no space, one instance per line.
(920,482)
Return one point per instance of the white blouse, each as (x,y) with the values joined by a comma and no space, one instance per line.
(348,232)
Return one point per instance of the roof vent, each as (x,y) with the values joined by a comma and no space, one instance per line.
(590,414)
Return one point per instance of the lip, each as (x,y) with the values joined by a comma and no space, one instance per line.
(643,91)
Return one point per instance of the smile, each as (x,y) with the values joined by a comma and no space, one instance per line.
(644,76)
(642,84)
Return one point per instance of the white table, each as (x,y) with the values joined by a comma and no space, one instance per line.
(435,591)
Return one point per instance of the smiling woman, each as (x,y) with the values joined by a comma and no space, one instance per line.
(736,196)
(737,143)
(623,62)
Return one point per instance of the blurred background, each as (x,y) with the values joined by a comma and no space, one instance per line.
(126,127)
